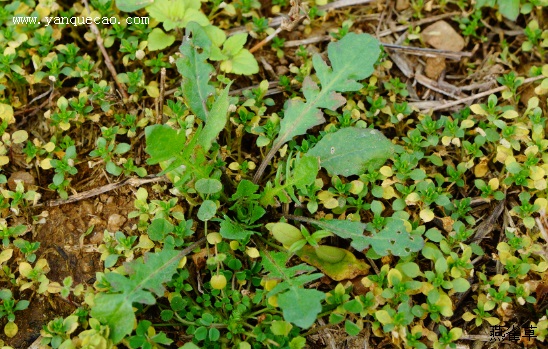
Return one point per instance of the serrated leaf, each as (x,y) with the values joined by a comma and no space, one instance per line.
(301,306)
(352,59)
(394,239)
(146,276)
(347,151)
(346,230)
(163,143)
(233,231)
(195,70)
(305,171)
(298,118)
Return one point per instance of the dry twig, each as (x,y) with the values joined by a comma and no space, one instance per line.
(434,86)
(440,105)
(106,57)
(417,23)
(160,116)
(135,182)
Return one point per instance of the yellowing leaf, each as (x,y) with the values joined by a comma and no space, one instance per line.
(273,301)
(467,123)
(25,269)
(152,90)
(386,171)
(54,287)
(537,173)
(481,169)
(468,316)
(427,215)
(145,243)
(182,262)
(493,183)
(11,329)
(503,153)
(477,109)
(540,184)
(331,203)
(45,164)
(492,320)
(19,136)
(542,202)
(49,147)
(348,268)
(388,192)
(412,198)
(356,187)
(252,252)
(177,14)
(5,255)
(6,112)
(383,317)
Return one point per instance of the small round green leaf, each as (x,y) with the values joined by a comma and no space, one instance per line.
(208,186)
(207,210)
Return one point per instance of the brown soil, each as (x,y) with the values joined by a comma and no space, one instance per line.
(69,253)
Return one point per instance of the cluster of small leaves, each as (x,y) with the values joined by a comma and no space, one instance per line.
(426,175)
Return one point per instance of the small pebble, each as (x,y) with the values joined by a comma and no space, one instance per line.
(96,238)
(115,222)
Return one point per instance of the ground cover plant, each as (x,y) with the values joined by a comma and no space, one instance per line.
(276,174)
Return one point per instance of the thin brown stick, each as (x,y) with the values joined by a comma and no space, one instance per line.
(417,23)
(160,116)
(434,86)
(428,52)
(106,57)
(295,16)
(422,51)
(307,41)
(135,182)
(480,95)
(265,40)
